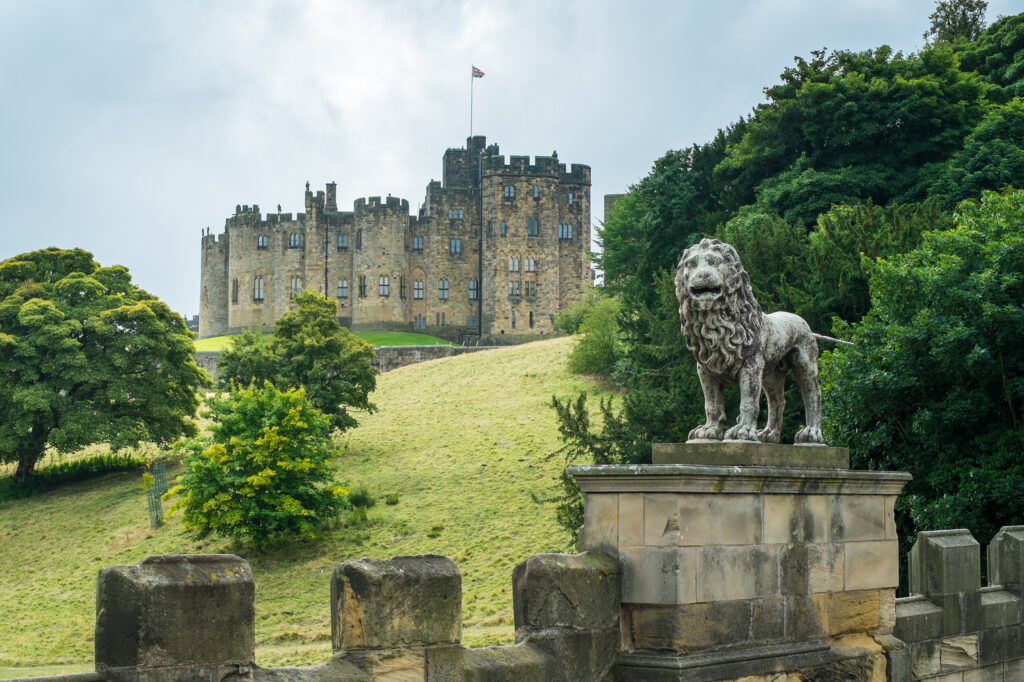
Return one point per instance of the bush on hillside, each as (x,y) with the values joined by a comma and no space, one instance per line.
(600,344)
(266,477)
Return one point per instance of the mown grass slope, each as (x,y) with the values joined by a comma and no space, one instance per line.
(219,343)
(464,442)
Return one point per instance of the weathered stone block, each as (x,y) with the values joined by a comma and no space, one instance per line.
(944,562)
(795,518)
(600,523)
(578,591)
(690,628)
(189,612)
(872,564)
(727,573)
(751,453)
(659,575)
(857,517)
(961,612)
(631,519)
(853,612)
(404,601)
(917,619)
(988,673)
(701,520)
(958,652)
(992,645)
(1006,559)
(924,658)
(999,608)
(768,620)
(806,617)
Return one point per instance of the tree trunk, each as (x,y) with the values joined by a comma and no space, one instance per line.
(32,453)
(24,470)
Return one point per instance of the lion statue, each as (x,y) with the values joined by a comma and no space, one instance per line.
(734,342)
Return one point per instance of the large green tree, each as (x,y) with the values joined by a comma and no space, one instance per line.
(956,21)
(935,382)
(88,357)
(310,349)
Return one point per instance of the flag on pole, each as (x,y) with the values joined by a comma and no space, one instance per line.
(477,73)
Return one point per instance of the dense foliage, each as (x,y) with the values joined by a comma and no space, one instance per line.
(88,357)
(852,158)
(267,476)
(935,384)
(308,349)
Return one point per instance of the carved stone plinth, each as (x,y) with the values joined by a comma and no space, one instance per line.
(731,571)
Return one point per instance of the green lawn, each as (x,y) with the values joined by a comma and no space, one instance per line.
(466,443)
(218,343)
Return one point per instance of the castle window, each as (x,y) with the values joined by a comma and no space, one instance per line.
(401,287)
(384,286)
(470,322)
(455,246)
(234,291)
(442,290)
(565,231)
(359,240)
(513,319)
(570,198)
(362,286)
(257,290)
(417,290)
(510,192)
(296,286)
(342,288)
(439,319)
(531,289)
(342,241)
(417,244)
(536,193)
(473,290)
(531,227)
(504,228)
(293,240)
(261,242)
(419,322)
(514,288)
(529,265)
(531,319)
(513,264)
(455,214)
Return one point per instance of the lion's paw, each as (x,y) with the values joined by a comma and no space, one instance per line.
(810,436)
(706,432)
(767,436)
(742,432)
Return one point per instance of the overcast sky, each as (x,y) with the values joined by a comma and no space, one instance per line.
(127,127)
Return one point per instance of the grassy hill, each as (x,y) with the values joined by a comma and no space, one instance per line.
(465,443)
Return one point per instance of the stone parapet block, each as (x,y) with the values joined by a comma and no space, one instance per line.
(175,617)
(400,602)
(1006,559)
(579,591)
(945,562)
(917,619)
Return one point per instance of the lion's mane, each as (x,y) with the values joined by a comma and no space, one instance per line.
(720,338)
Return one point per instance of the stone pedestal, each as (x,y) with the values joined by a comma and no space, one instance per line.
(746,569)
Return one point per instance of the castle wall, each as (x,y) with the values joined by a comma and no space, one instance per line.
(457,230)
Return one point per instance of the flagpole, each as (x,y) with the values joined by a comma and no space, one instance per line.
(471,79)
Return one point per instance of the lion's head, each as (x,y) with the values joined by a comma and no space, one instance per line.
(718,313)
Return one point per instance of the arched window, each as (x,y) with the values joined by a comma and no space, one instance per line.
(442,290)
(257,289)
(234,291)
(342,242)
(529,265)
(536,193)
(296,286)
(362,286)
(513,264)
(532,227)
(383,286)
(510,192)
(261,242)
(455,247)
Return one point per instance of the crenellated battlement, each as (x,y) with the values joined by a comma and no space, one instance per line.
(371,205)
(542,166)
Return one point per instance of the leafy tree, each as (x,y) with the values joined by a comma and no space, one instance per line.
(992,157)
(998,56)
(308,349)
(600,344)
(569,319)
(955,21)
(935,382)
(88,357)
(266,477)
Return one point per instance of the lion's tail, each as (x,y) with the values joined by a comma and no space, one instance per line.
(822,337)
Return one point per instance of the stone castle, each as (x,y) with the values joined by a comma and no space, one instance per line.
(497,248)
